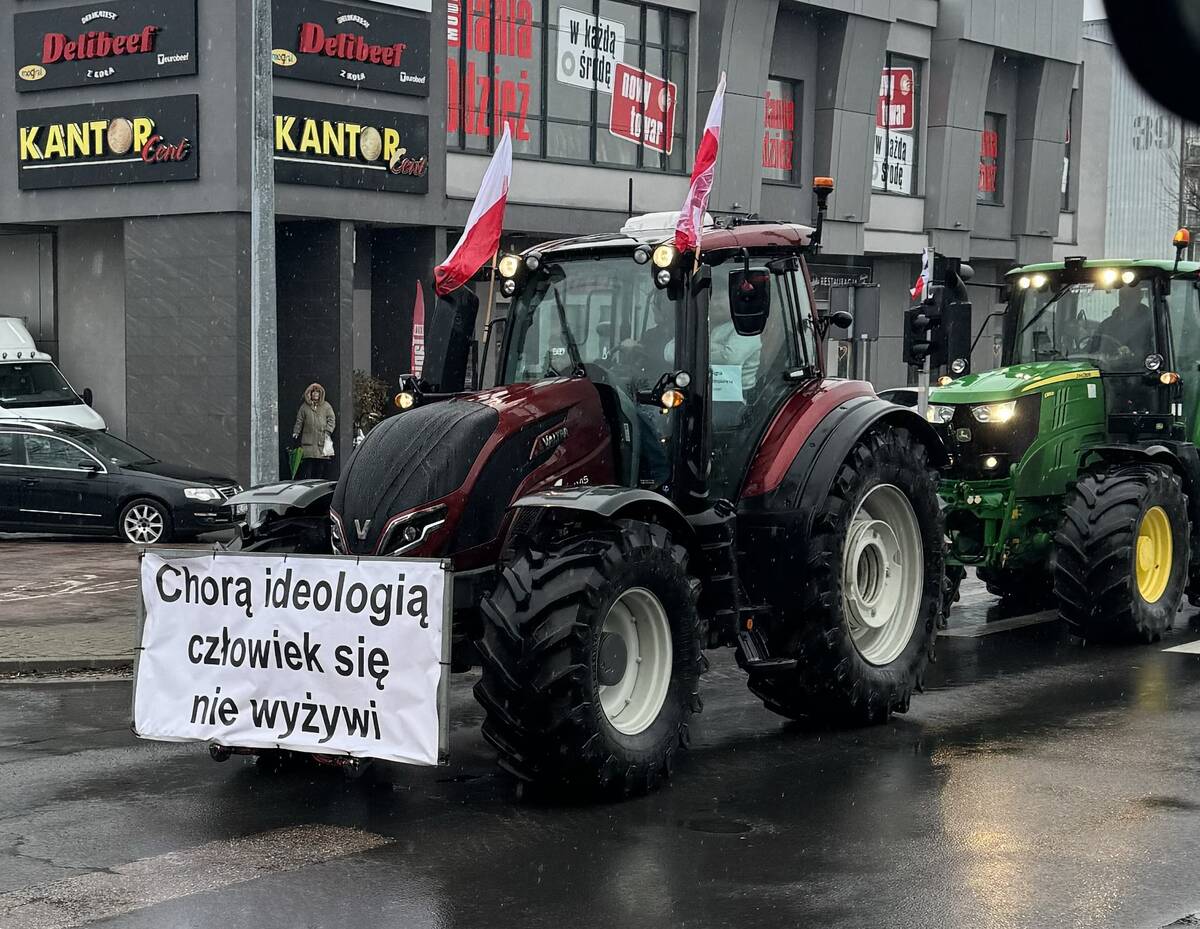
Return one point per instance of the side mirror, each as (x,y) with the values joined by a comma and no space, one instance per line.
(89,466)
(87,396)
(750,300)
(842,319)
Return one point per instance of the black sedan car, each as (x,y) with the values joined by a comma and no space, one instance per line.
(57,477)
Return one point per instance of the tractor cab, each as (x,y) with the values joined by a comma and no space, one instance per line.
(1123,323)
(628,313)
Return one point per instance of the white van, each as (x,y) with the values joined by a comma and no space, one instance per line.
(31,387)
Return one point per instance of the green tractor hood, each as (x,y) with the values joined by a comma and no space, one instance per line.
(1011,382)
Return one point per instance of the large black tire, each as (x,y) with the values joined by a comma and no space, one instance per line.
(1097,548)
(1031,586)
(542,657)
(832,680)
(951,584)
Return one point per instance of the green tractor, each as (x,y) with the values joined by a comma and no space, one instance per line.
(1074,478)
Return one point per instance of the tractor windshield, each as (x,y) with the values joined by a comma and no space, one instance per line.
(604,318)
(1111,327)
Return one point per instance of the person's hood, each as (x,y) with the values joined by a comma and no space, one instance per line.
(309,389)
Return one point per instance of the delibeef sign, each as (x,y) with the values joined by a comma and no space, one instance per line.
(335,44)
(104,43)
(349,146)
(123,142)
(896,108)
(643,108)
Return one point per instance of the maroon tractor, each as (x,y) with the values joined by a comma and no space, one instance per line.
(661,467)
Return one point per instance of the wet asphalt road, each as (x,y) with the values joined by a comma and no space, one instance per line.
(1037,783)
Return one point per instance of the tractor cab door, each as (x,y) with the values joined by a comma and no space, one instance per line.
(1183,305)
(750,373)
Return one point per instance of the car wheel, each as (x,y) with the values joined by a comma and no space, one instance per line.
(144,522)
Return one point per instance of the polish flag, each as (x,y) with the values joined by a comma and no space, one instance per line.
(917,291)
(691,217)
(418,332)
(481,237)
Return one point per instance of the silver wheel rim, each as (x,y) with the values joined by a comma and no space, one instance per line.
(143,524)
(633,703)
(883,572)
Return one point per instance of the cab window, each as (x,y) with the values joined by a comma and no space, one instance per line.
(1183,306)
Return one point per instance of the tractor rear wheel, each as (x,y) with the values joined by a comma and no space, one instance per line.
(860,616)
(591,660)
(1121,553)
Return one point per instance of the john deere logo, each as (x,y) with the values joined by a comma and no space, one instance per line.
(283,58)
(31,73)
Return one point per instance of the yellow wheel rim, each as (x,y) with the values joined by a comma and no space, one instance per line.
(1153,554)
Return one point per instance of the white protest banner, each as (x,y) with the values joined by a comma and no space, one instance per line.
(324,655)
(589,49)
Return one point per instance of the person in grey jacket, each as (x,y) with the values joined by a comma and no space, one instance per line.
(314,427)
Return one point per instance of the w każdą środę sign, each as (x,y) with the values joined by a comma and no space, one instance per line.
(318,655)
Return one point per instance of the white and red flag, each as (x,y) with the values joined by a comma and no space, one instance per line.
(691,217)
(481,237)
(418,332)
(917,291)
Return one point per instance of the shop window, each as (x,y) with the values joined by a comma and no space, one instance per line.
(781,131)
(586,81)
(991,160)
(897,126)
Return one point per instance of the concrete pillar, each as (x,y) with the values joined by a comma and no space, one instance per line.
(956,93)
(1044,95)
(745,31)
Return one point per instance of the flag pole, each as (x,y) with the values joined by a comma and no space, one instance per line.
(491,301)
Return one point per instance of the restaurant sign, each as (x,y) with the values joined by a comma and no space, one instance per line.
(122,142)
(332,43)
(104,43)
(348,146)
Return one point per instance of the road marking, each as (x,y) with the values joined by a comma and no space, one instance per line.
(1187,648)
(977,630)
(81,584)
(76,901)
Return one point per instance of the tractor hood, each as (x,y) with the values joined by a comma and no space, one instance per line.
(438,479)
(1011,382)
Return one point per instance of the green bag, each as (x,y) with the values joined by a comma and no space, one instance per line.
(296,456)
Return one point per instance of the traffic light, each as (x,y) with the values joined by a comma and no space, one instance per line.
(921,323)
(940,328)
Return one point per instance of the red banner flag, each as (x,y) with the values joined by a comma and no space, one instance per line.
(481,237)
(691,217)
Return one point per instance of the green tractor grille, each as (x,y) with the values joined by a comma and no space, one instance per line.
(984,451)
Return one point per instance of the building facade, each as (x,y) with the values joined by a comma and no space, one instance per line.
(124,212)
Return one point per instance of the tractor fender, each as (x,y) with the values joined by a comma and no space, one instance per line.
(611,502)
(1181,457)
(812,472)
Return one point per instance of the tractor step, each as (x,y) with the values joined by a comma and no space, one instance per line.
(752,655)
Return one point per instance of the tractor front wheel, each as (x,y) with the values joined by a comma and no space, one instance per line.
(859,616)
(1121,554)
(591,660)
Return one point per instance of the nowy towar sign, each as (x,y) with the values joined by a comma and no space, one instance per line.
(320,655)
(643,108)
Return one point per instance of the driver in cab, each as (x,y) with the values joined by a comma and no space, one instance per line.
(1128,333)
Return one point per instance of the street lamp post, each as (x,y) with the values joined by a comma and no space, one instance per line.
(264,385)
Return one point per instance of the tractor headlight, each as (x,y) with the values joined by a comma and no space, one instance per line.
(664,256)
(937,413)
(509,287)
(509,266)
(405,400)
(995,412)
